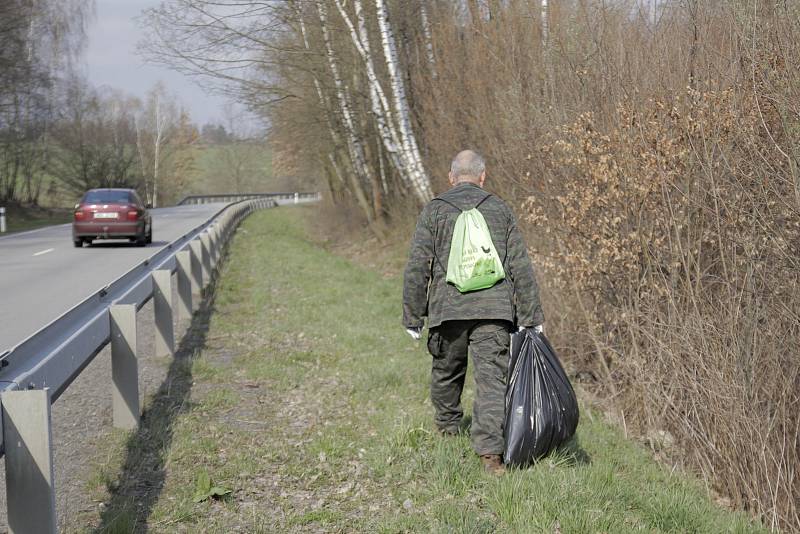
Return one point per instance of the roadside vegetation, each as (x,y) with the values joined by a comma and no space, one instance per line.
(22,218)
(304,407)
(650,150)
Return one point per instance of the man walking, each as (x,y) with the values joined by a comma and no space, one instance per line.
(476,320)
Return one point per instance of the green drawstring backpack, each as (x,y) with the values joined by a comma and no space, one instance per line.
(473,263)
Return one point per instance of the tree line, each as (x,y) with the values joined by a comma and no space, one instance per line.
(331,69)
(60,136)
(106,138)
(57,132)
(39,41)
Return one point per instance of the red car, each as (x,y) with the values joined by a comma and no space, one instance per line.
(112,214)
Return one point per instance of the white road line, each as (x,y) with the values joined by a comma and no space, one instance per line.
(44,251)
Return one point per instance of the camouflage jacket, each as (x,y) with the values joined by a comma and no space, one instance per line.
(425,291)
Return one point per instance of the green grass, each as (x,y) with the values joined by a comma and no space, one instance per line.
(311,403)
(22,218)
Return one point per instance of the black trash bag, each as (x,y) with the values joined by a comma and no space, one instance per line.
(541,408)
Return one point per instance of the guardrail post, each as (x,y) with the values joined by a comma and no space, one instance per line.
(218,233)
(197,272)
(30,488)
(184,271)
(124,366)
(2,220)
(226,223)
(212,257)
(213,233)
(162,308)
(205,250)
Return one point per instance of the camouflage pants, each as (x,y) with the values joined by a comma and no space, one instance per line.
(488,341)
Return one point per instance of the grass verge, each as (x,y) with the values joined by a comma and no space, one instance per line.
(23,218)
(308,401)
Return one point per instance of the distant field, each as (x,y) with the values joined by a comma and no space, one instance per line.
(226,169)
(305,408)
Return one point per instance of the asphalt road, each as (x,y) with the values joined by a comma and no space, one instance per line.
(42,275)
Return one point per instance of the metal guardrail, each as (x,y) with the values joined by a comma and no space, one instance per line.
(37,371)
(237,197)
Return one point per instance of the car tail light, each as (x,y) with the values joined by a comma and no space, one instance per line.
(80,215)
(133,215)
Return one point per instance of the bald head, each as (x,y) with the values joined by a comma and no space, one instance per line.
(467,166)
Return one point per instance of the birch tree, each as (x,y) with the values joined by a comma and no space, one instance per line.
(428,41)
(362,115)
(381,110)
(354,143)
(335,177)
(545,23)
(419,177)
(155,127)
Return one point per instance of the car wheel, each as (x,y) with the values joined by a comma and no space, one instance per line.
(78,242)
(141,240)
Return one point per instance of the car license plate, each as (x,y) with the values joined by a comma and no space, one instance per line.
(105,215)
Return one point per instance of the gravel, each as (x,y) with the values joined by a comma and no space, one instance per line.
(81,420)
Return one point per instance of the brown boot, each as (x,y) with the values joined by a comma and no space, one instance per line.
(493,464)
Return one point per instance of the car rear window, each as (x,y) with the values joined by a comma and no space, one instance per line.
(108,197)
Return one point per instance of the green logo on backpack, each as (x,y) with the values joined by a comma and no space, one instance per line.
(473,263)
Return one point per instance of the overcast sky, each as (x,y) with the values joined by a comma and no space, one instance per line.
(111,60)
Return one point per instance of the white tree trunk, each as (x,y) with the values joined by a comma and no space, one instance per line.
(336,169)
(137,122)
(382,170)
(426,33)
(157,142)
(545,23)
(420,181)
(323,100)
(379,104)
(355,147)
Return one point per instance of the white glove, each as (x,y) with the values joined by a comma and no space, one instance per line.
(414,332)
